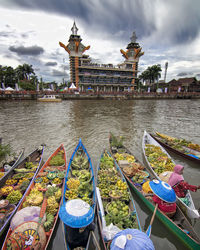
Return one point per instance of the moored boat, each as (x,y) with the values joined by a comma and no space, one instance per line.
(14,185)
(178,224)
(80,189)
(49,98)
(159,161)
(182,147)
(116,203)
(8,166)
(36,217)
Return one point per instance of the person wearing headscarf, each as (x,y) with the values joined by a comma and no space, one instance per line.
(176,181)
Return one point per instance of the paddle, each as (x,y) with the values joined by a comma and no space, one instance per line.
(95,239)
(148,232)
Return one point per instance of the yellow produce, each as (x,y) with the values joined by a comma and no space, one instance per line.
(73,183)
(6,190)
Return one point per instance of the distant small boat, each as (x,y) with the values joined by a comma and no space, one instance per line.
(187,149)
(49,98)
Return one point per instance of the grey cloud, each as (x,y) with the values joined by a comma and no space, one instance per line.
(184,73)
(178,20)
(51,64)
(118,18)
(7,34)
(32,50)
(56,72)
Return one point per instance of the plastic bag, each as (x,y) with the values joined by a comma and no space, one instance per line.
(110,231)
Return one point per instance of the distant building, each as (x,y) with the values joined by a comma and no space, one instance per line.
(189,84)
(101,77)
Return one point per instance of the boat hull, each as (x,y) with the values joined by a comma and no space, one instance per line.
(186,239)
(190,211)
(48,234)
(35,154)
(49,100)
(176,151)
(79,146)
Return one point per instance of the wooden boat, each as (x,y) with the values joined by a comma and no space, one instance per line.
(11,165)
(166,164)
(80,180)
(178,224)
(181,147)
(37,227)
(117,202)
(11,183)
(49,98)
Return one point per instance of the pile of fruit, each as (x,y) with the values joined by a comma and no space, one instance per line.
(106,162)
(178,143)
(118,213)
(79,185)
(57,160)
(125,156)
(14,196)
(29,167)
(115,189)
(159,160)
(80,162)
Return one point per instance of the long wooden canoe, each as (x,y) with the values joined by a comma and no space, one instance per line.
(178,224)
(80,163)
(34,157)
(12,165)
(178,146)
(189,209)
(115,193)
(41,193)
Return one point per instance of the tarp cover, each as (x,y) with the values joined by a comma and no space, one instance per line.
(26,214)
(130,239)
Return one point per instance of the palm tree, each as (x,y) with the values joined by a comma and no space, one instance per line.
(28,70)
(151,74)
(24,71)
(20,72)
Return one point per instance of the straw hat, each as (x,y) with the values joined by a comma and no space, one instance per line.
(29,228)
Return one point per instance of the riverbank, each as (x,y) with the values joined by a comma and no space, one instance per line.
(33,95)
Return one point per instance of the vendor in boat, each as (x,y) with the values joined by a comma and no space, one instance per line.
(164,196)
(78,217)
(176,181)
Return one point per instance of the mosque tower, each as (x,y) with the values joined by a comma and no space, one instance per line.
(75,50)
(132,55)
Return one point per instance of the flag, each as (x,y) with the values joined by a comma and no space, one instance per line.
(3,85)
(16,87)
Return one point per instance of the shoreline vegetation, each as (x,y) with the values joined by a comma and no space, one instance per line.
(73,95)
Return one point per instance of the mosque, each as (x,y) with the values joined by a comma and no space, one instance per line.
(101,77)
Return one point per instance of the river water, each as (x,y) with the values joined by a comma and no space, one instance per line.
(29,123)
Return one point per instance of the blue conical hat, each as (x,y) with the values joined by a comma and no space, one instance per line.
(163,190)
(76,213)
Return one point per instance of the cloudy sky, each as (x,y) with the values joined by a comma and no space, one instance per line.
(167,30)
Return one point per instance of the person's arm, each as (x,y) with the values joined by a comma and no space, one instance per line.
(187,186)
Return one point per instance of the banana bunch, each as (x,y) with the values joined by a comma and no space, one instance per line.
(73,183)
(49,222)
(168,138)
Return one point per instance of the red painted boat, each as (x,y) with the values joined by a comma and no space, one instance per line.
(34,232)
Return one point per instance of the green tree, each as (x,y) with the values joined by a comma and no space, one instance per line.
(151,74)
(9,76)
